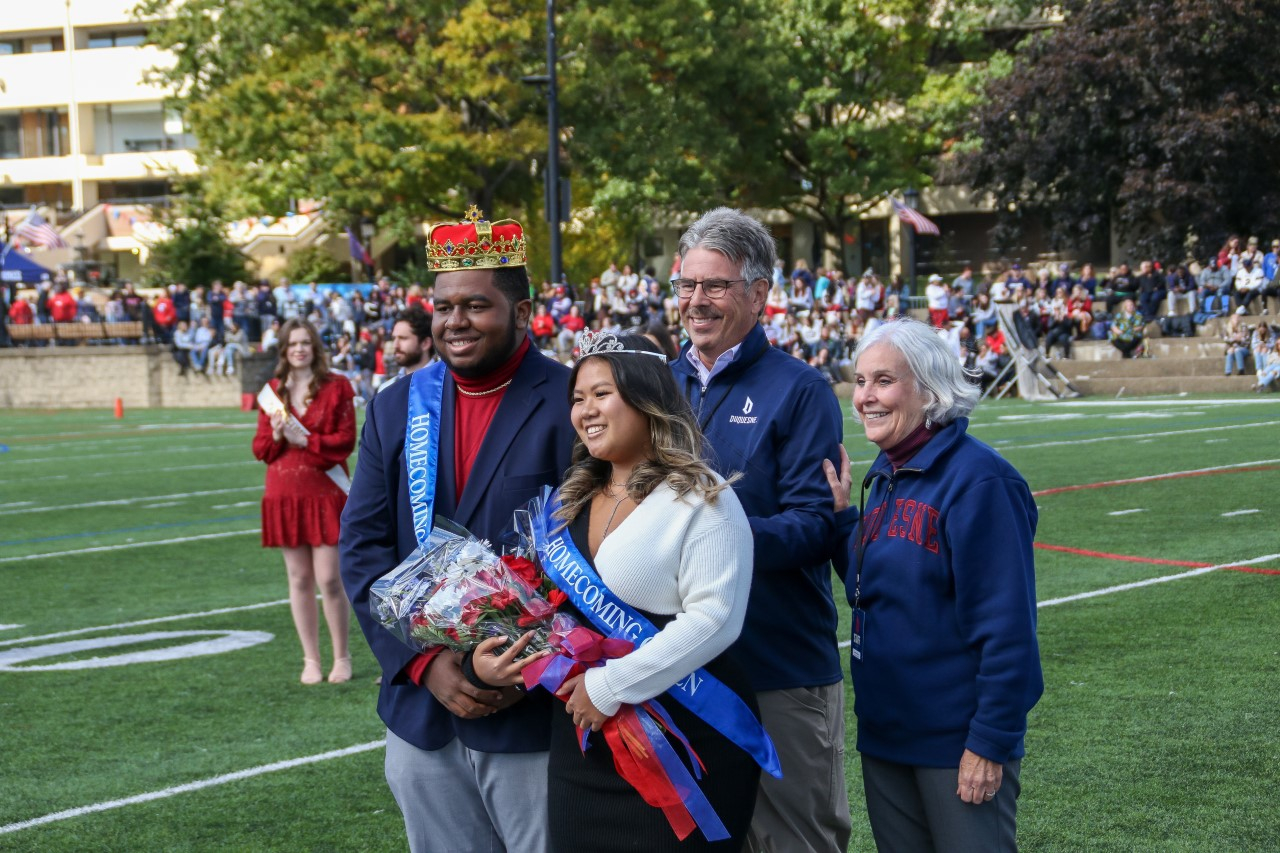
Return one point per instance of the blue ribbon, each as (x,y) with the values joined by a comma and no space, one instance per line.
(700,692)
(422,445)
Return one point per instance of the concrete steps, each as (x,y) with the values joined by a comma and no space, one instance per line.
(1176,366)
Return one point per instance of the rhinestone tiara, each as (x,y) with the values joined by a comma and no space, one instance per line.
(606,343)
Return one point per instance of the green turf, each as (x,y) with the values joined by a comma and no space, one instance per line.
(1156,730)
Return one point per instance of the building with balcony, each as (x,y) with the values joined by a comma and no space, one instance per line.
(80,127)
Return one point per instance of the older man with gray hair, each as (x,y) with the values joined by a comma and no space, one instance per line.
(772,419)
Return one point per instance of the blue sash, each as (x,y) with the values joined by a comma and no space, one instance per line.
(700,692)
(422,445)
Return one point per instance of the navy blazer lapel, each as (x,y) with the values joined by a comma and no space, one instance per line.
(447,478)
(518,405)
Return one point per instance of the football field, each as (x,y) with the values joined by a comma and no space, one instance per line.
(148,665)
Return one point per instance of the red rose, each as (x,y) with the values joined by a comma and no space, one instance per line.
(502,599)
(557,598)
(522,568)
(528,621)
(471,613)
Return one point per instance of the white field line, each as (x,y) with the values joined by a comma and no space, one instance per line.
(193,786)
(1188,472)
(9,627)
(184,447)
(1148,402)
(1161,579)
(180,617)
(235,505)
(93,428)
(1126,511)
(147,471)
(163,504)
(844,644)
(26,557)
(127,501)
(16,503)
(1003,447)
(372,745)
(1240,512)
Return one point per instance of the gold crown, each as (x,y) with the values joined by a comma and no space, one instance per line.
(475,244)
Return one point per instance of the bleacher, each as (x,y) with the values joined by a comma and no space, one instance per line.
(97,331)
(1177,365)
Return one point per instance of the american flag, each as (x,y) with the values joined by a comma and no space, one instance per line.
(37,232)
(914,218)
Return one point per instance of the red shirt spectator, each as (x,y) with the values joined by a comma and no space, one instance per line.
(543,326)
(573,322)
(166,315)
(62,307)
(20,313)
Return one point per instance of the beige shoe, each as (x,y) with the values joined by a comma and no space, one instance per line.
(311,671)
(341,671)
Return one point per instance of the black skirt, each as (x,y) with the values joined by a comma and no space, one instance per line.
(594,810)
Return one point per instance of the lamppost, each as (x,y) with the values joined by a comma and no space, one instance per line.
(81,272)
(366,234)
(555,215)
(912,198)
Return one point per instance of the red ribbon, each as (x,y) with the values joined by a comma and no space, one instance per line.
(634,754)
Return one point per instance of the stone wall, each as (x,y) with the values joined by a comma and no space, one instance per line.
(94,376)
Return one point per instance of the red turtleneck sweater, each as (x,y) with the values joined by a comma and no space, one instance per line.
(473,415)
(471,419)
(900,454)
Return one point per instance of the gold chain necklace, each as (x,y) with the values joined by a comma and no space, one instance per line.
(464,392)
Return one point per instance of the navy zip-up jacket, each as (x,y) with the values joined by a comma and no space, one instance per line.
(950,659)
(774,419)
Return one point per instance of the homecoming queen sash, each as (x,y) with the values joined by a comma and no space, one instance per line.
(422,445)
(700,692)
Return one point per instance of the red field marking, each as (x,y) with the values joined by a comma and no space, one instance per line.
(1153,478)
(1103,555)
(1154,561)
(1126,558)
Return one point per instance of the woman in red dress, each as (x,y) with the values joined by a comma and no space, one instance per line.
(302,504)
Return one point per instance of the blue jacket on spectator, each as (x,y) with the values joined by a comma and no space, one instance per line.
(774,419)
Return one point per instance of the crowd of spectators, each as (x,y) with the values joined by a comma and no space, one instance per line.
(816,315)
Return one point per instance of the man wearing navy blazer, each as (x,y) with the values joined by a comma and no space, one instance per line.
(465,764)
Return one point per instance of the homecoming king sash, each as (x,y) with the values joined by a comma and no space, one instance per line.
(422,445)
(700,692)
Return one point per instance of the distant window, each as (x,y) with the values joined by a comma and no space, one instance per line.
(128,38)
(9,48)
(40,46)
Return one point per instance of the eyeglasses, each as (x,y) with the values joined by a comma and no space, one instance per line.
(712,288)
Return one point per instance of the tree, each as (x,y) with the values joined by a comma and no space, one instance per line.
(197,252)
(317,263)
(668,105)
(395,109)
(848,69)
(1160,118)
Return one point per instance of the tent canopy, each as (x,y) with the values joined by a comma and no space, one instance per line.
(16,266)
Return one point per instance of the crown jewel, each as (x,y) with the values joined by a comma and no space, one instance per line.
(475,243)
(602,343)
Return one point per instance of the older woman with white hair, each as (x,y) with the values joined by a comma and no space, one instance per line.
(938,568)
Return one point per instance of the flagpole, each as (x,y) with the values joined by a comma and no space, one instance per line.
(912,198)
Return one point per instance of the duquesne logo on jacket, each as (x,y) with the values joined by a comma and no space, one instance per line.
(744,418)
(916,522)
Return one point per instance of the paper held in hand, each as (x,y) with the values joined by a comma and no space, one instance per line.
(270,403)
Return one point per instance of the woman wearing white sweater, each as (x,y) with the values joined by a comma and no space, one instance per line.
(668,536)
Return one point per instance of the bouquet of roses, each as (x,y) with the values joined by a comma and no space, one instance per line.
(456,592)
